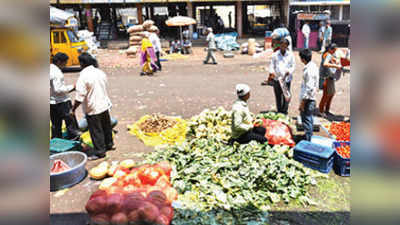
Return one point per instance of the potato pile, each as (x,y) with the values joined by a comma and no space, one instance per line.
(136,34)
(157,123)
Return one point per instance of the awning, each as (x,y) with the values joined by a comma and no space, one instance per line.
(311,3)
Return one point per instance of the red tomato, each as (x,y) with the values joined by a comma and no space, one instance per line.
(150,175)
(165,167)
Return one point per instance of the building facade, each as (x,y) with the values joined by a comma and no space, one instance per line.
(243,16)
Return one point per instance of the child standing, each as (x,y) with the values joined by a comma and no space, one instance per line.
(308,92)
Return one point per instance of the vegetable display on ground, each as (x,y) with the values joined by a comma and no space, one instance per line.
(138,195)
(341,130)
(156,123)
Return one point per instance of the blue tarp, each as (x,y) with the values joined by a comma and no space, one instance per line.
(227,41)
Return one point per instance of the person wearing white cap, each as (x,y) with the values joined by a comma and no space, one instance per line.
(211,47)
(242,120)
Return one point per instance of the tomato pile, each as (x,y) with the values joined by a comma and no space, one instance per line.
(341,130)
(344,151)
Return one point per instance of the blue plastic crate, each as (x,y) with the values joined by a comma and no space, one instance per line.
(341,165)
(58,145)
(314,156)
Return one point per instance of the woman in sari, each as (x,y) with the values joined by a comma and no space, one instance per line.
(147,57)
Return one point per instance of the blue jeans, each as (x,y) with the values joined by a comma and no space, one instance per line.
(306,41)
(307,118)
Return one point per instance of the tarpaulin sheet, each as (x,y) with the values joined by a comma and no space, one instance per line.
(227,41)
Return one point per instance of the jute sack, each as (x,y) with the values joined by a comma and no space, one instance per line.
(135,28)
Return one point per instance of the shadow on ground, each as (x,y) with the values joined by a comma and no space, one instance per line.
(192,218)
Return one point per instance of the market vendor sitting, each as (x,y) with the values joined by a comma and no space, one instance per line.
(243,130)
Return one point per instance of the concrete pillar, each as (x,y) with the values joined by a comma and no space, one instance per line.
(341,13)
(139,8)
(190,14)
(151,12)
(89,18)
(239,18)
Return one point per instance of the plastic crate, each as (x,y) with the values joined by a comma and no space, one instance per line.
(58,145)
(341,165)
(314,156)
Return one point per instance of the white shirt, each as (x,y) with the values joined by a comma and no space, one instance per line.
(309,86)
(155,40)
(58,90)
(306,30)
(281,64)
(91,90)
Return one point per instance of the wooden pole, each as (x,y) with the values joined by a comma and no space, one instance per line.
(139,13)
(89,18)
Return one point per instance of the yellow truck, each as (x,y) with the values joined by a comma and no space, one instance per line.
(63,37)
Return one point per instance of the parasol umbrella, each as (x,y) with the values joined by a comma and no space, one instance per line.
(179,21)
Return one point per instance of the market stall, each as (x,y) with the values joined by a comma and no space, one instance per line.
(314,20)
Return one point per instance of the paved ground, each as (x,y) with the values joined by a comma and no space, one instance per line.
(185,87)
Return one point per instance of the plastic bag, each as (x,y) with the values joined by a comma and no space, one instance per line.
(278,133)
(173,135)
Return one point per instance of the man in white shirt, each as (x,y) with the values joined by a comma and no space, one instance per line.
(91,92)
(306,33)
(155,40)
(308,92)
(211,47)
(281,68)
(60,102)
(321,31)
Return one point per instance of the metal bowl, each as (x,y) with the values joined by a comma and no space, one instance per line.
(76,161)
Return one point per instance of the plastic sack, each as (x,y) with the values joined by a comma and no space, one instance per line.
(135,28)
(86,139)
(173,135)
(278,133)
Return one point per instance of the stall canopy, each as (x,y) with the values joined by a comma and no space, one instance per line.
(179,21)
(58,16)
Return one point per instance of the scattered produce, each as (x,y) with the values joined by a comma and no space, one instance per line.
(344,151)
(127,164)
(341,130)
(157,123)
(99,172)
(59,166)
(210,175)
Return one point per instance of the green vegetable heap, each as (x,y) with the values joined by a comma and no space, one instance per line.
(222,184)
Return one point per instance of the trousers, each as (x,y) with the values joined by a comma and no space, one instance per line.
(326,100)
(307,118)
(210,54)
(61,112)
(256,134)
(158,63)
(282,105)
(100,131)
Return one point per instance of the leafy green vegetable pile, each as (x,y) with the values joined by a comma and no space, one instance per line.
(223,184)
(274,116)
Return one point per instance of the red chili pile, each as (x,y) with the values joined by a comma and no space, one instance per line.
(143,195)
(341,130)
(344,151)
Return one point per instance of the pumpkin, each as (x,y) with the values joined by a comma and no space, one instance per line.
(98,173)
